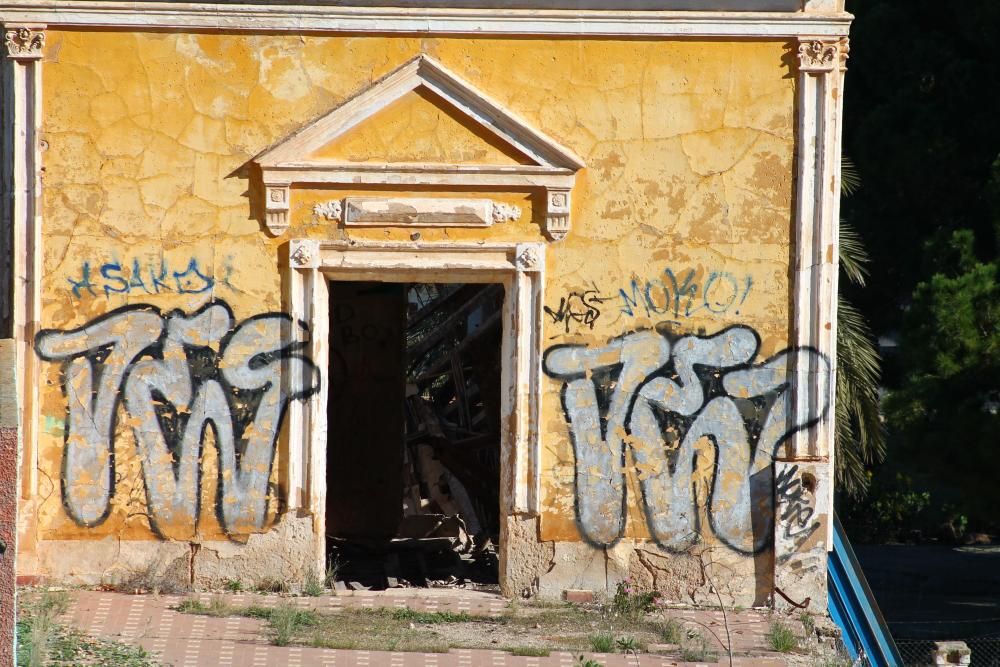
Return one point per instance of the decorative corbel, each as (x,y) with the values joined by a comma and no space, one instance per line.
(276,196)
(557,206)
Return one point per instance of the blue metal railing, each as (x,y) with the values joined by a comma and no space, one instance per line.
(853,608)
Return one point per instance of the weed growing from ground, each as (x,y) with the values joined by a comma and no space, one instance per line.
(603,642)
(627,644)
(313,585)
(286,621)
(584,662)
(781,638)
(233,585)
(630,603)
(808,622)
(697,649)
(672,632)
(271,585)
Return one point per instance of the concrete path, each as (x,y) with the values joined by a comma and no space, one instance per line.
(189,640)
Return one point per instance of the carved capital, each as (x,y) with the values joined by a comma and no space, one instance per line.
(303,254)
(818,55)
(24,43)
(528,258)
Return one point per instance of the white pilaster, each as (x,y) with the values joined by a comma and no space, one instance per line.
(22,114)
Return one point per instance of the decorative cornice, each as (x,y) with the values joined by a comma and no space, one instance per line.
(819,55)
(485,21)
(24,43)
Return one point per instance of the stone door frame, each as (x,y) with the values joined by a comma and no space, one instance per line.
(519,267)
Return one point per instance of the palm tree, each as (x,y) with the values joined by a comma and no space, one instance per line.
(860,433)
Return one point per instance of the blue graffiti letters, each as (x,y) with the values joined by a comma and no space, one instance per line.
(681,295)
(112,278)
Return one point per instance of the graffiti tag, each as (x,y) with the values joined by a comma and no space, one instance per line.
(579,308)
(681,295)
(177,375)
(115,277)
(660,394)
(795,507)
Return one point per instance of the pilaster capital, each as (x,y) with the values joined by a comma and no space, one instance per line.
(23,43)
(823,55)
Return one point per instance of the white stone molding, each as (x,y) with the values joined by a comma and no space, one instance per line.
(822,18)
(22,160)
(519,267)
(822,63)
(553,167)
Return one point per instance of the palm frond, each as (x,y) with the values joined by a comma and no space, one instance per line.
(860,432)
(850,179)
(853,256)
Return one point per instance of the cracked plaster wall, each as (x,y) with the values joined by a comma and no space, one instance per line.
(689,153)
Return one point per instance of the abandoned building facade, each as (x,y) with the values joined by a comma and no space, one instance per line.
(517,292)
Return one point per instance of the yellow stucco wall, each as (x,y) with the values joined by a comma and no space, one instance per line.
(689,153)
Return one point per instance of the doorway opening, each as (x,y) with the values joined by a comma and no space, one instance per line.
(413,451)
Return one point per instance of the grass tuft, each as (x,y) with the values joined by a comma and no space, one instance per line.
(672,631)
(313,585)
(781,638)
(287,621)
(603,642)
(697,649)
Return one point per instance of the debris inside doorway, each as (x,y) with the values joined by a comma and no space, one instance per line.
(446,519)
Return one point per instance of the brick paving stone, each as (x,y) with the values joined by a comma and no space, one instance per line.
(187,640)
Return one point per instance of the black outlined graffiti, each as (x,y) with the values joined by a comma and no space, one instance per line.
(795,495)
(659,394)
(581,308)
(177,375)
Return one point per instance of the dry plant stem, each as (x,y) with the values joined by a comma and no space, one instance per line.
(725,618)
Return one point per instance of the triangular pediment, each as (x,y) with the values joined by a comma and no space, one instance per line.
(421,126)
(457,98)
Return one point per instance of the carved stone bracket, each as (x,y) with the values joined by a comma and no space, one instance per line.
(24,43)
(557,214)
(276,197)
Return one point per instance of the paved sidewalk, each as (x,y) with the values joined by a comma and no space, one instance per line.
(190,640)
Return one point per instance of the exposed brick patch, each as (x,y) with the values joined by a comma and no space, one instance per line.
(578,596)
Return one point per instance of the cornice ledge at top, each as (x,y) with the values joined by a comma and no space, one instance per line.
(250,17)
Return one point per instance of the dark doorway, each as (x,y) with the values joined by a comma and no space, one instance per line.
(413,457)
